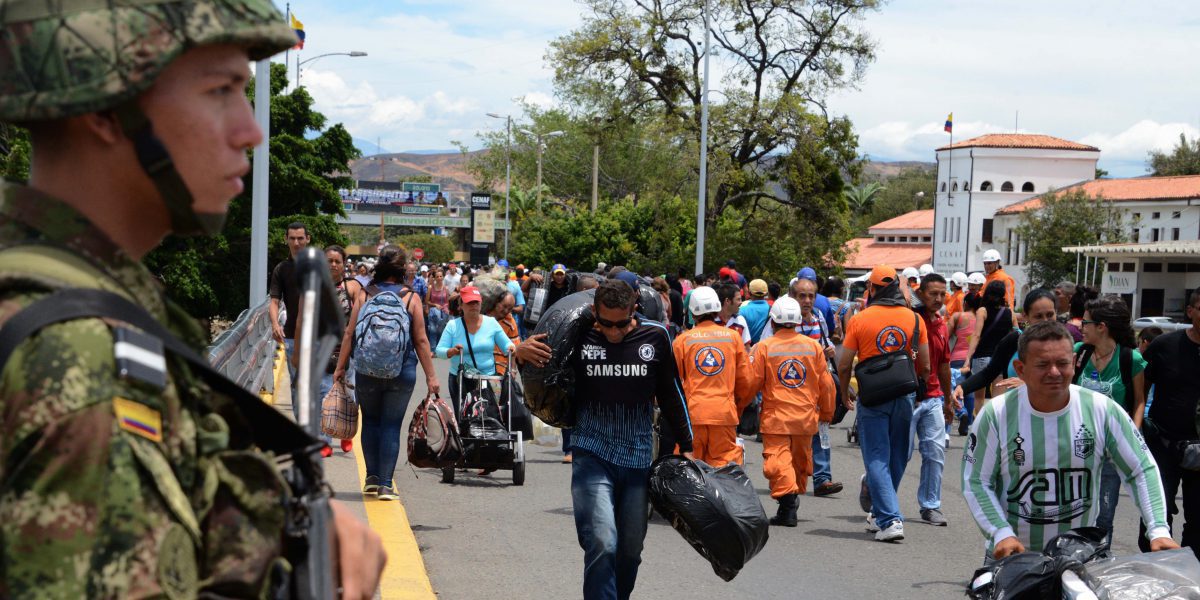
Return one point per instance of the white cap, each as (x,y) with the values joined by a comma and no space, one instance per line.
(959,279)
(424,268)
(786,310)
(704,301)
(976,278)
(991,256)
(909,273)
(925,269)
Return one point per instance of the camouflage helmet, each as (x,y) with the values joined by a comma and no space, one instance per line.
(61,58)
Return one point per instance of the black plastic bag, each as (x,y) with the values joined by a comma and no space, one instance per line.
(1036,575)
(1083,544)
(650,304)
(549,389)
(716,510)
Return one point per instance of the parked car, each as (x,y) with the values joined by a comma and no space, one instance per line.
(1164,323)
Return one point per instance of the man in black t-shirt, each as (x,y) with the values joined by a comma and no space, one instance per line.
(286,288)
(1173,359)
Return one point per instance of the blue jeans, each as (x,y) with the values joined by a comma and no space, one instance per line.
(1110,492)
(928,427)
(821,473)
(566,437)
(383,403)
(610,520)
(883,437)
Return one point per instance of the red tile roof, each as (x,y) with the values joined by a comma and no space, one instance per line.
(1020,140)
(865,253)
(917,219)
(1123,190)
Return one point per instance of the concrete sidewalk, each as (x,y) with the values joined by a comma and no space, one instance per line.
(405,576)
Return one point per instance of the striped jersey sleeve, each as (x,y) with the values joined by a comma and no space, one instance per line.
(982,484)
(1127,449)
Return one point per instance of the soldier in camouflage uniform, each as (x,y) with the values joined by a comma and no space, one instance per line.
(143,484)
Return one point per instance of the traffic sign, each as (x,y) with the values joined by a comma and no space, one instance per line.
(428,188)
(418,253)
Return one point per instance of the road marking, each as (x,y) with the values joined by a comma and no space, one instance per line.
(277,372)
(404,577)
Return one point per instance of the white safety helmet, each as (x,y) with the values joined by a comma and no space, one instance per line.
(976,278)
(925,269)
(959,279)
(991,256)
(786,310)
(910,273)
(704,301)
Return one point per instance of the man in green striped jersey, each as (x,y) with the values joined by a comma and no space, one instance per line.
(1031,468)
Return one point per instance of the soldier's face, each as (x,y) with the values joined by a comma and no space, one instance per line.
(199,110)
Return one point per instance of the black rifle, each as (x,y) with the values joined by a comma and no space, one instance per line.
(310,525)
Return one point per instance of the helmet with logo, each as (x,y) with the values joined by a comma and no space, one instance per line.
(704,301)
(786,310)
(991,256)
(976,278)
(959,279)
(910,273)
(73,57)
(925,269)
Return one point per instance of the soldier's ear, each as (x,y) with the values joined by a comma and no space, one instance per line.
(103,126)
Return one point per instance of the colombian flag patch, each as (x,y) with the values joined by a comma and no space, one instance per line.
(138,419)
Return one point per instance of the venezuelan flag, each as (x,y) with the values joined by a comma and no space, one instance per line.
(298,27)
(949,117)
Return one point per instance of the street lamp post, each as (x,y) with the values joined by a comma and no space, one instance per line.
(507,173)
(540,148)
(917,200)
(354,54)
(703,196)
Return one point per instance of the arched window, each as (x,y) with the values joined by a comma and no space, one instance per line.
(1028,187)
(1007,187)
(954,187)
(986,187)
(967,186)
(943,186)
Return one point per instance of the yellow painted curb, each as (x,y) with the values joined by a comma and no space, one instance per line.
(277,374)
(405,576)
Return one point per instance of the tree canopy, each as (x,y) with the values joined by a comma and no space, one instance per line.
(1184,159)
(1070,218)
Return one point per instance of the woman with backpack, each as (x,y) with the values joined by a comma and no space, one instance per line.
(993,321)
(1107,361)
(388,340)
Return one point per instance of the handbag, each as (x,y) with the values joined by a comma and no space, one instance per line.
(339,413)
(889,375)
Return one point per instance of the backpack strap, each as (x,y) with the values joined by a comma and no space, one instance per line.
(1082,356)
(272,431)
(1125,362)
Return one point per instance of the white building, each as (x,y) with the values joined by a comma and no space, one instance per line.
(979,176)
(1156,271)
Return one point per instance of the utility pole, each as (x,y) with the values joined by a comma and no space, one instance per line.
(539,174)
(259,191)
(595,175)
(700,208)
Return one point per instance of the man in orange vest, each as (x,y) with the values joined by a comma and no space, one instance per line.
(991,264)
(798,391)
(715,369)
(954,302)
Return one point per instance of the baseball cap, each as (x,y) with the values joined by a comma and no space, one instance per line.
(630,278)
(808,273)
(502,263)
(424,268)
(731,264)
(758,288)
(521,266)
(881,275)
(558,268)
(725,272)
(704,301)
(786,310)
(976,278)
(991,256)
(469,294)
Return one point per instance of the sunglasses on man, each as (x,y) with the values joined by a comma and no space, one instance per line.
(622,324)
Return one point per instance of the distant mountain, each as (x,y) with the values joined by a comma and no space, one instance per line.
(368,147)
(878,170)
(448,169)
(442,151)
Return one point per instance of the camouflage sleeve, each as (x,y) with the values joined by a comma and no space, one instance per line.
(89,503)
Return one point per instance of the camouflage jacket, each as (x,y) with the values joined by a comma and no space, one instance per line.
(112,487)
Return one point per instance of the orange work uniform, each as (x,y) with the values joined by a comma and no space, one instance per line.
(1010,286)
(954,302)
(715,370)
(798,392)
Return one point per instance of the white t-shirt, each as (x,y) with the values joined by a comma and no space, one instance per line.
(738,322)
(451,281)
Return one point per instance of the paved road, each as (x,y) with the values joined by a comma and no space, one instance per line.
(482,537)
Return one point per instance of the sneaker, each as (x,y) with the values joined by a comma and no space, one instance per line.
(891,533)
(871,526)
(864,495)
(372,485)
(827,488)
(347,445)
(963,426)
(387,492)
(933,516)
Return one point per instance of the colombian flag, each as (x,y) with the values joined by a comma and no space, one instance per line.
(949,117)
(298,27)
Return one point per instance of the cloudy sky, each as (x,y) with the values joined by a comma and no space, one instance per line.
(1118,75)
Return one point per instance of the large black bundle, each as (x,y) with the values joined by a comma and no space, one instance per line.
(1036,575)
(650,304)
(549,389)
(716,510)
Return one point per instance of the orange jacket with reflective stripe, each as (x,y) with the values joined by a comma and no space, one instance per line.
(715,369)
(798,391)
(1010,286)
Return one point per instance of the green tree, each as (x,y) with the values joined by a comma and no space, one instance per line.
(781,60)
(210,275)
(1184,159)
(437,249)
(1065,219)
(911,189)
(14,153)
(861,198)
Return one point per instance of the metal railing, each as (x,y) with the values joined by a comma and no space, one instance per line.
(245,352)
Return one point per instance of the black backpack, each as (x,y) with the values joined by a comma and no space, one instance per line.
(1124,363)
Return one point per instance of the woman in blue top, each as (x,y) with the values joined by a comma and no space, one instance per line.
(469,340)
